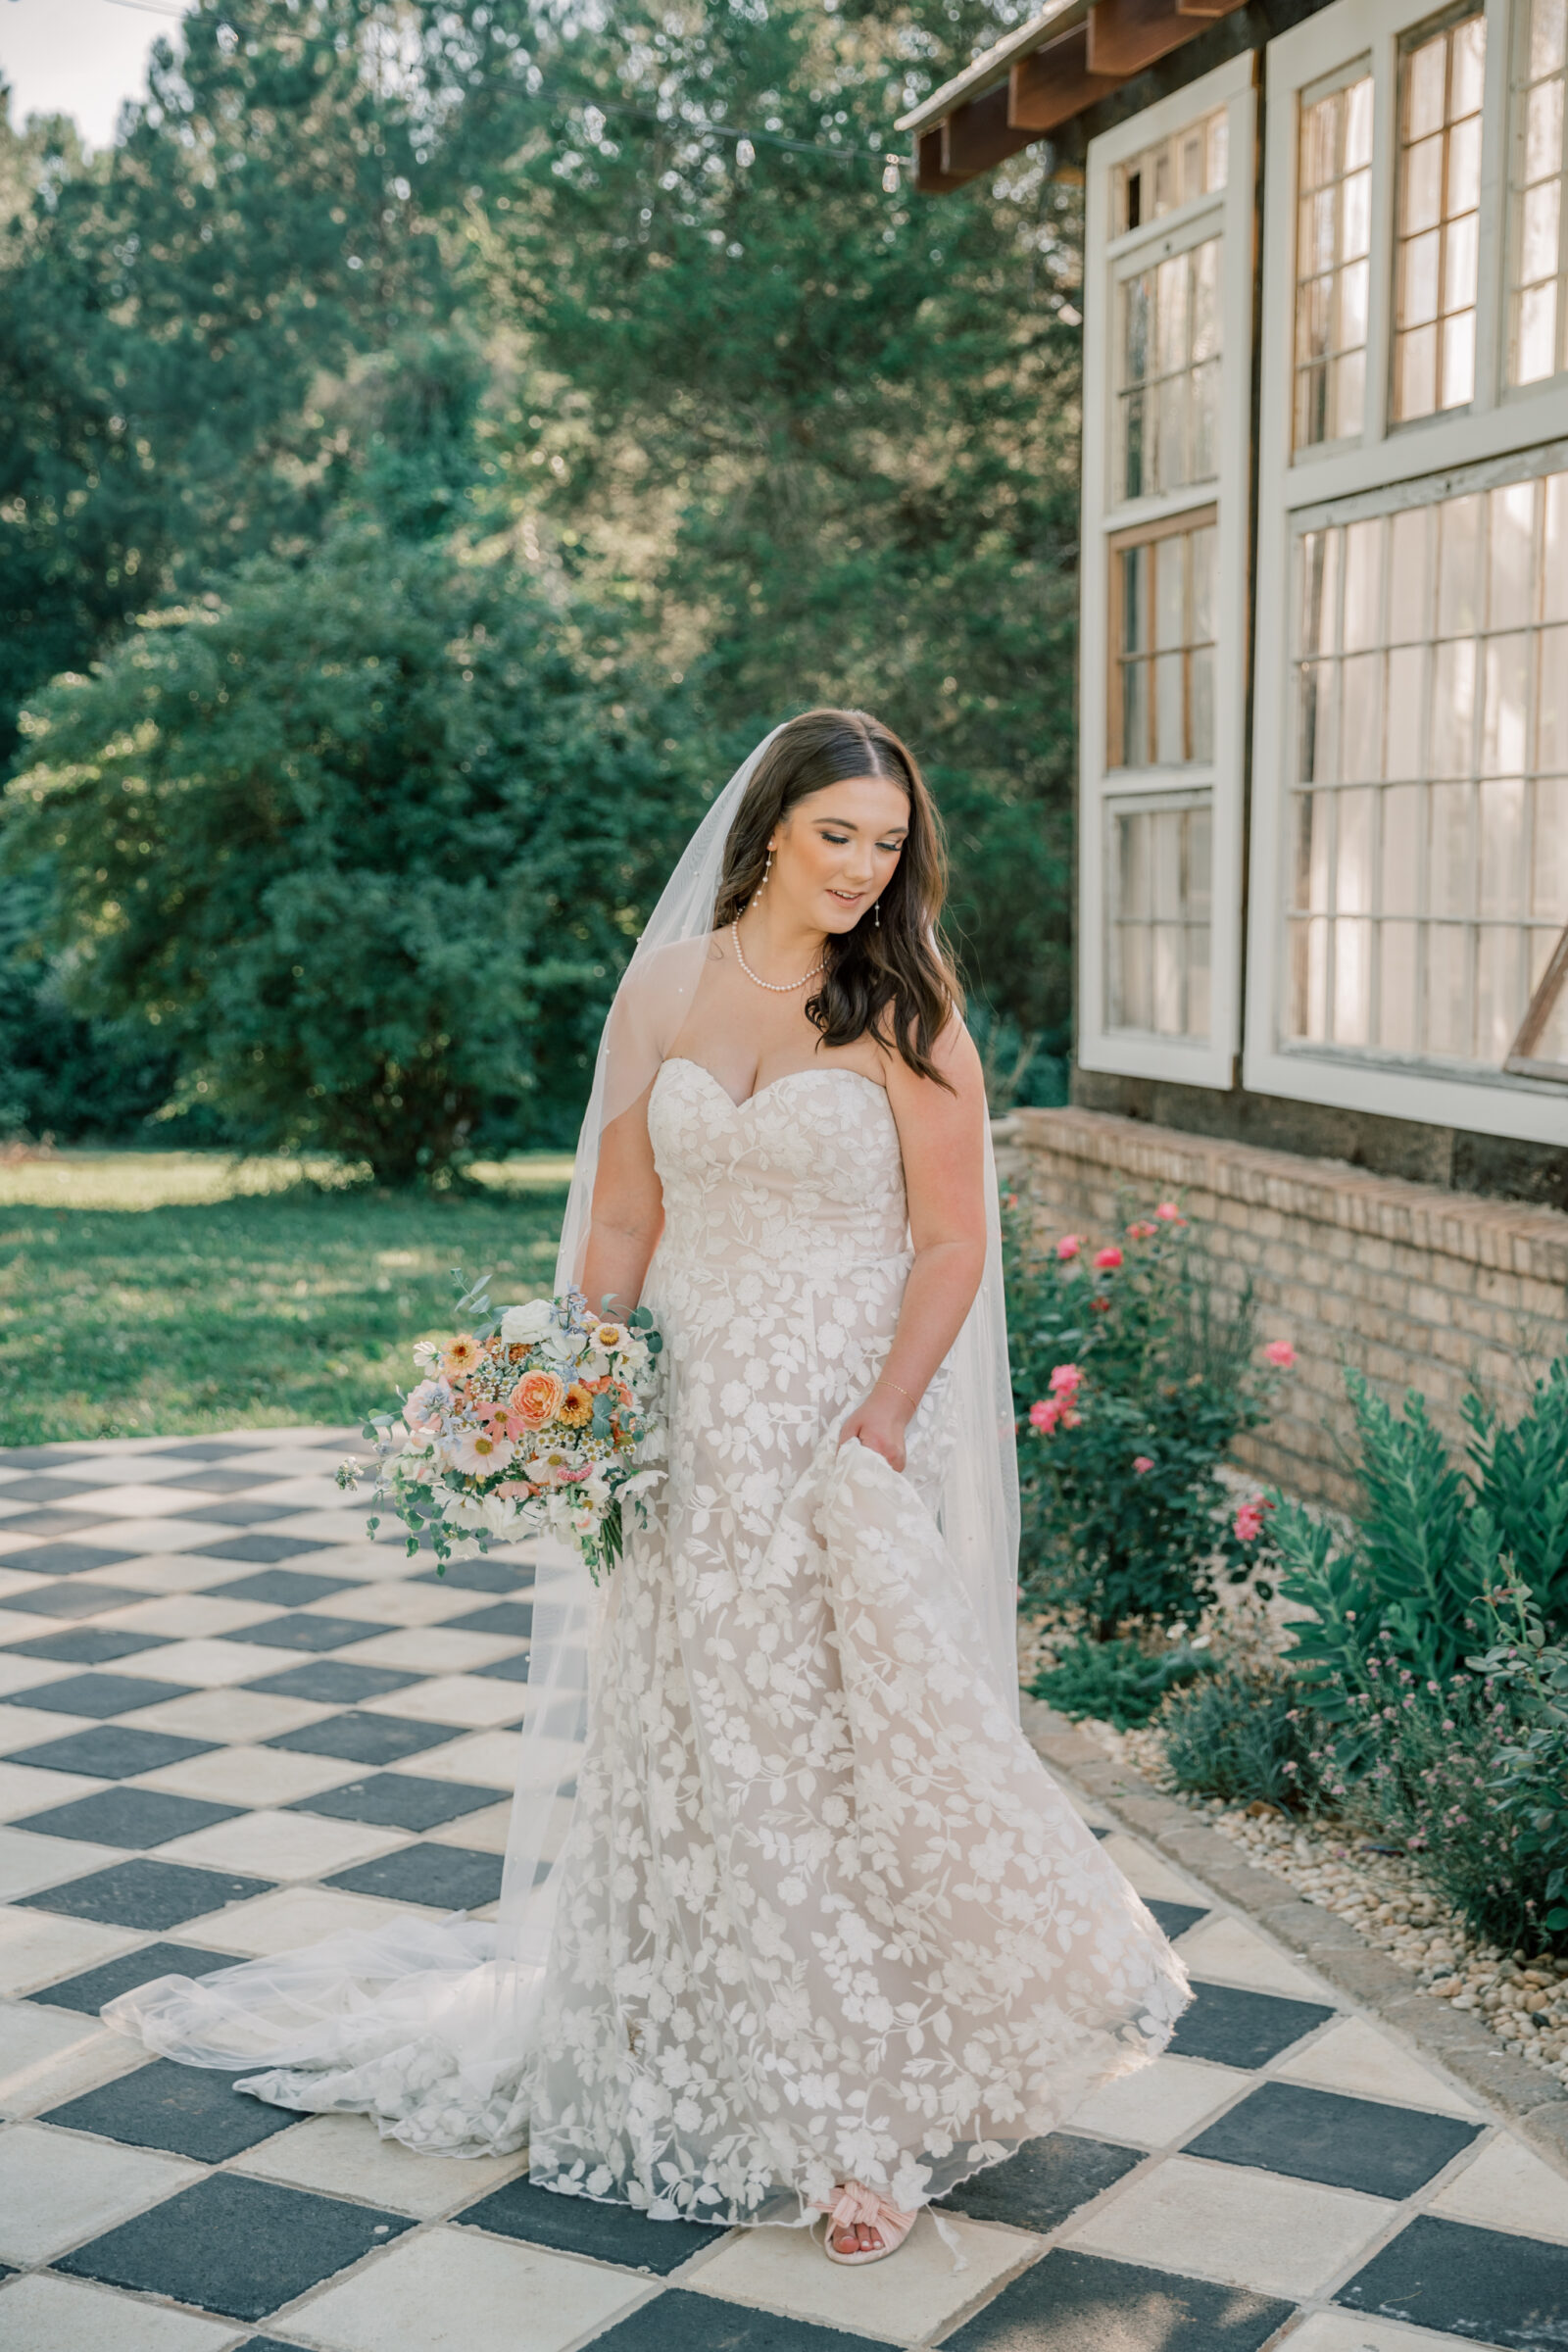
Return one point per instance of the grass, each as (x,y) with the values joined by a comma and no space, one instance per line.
(147,1294)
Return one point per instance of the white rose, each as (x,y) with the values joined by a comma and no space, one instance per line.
(521,1326)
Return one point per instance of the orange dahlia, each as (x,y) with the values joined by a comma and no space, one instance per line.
(577,1406)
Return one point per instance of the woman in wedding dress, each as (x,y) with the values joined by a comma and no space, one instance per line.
(795,1921)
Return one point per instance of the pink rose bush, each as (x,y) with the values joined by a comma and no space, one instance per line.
(1134,1372)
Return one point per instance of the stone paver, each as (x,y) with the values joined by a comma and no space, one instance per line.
(228,1722)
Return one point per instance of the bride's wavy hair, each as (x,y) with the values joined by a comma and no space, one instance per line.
(891,978)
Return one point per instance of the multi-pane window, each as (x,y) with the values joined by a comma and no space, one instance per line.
(1169,371)
(1332,238)
(1191,163)
(1162,682)
(1159,938)
(1537,243)
(1438,244)
(1429,828)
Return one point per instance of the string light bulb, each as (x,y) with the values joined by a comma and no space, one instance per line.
(745,153)
(892,177)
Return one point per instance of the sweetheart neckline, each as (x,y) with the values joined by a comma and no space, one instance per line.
(828,1070)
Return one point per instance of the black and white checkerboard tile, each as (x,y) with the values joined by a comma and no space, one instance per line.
(229,1723)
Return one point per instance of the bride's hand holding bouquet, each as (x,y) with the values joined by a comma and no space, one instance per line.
(534,1421)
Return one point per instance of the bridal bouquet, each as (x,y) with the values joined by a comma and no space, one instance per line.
(534,1420)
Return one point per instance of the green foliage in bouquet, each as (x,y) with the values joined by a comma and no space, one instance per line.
(366,844)
(1122,1682)
(1133,1373)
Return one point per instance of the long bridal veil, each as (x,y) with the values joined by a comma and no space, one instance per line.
(430,2025)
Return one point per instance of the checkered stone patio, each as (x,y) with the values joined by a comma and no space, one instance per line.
(231,1723)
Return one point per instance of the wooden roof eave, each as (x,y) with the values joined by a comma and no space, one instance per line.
(1048,71)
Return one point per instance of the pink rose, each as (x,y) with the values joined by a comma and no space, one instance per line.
(1106,1260)
(1143,1463)
(1169,1215)
(1248,1520)
(1067,1376)
(1142,1231)
(1042,1415)
(1281,1352)
(1069,1246)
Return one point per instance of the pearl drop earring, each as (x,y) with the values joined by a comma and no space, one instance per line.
(766,870)
(876,913)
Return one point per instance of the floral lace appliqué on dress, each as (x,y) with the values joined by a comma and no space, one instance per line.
(823,1912)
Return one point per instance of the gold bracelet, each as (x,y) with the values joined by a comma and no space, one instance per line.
(902,1392)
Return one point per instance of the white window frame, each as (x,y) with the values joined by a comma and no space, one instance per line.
(1109,259)
(1330,482)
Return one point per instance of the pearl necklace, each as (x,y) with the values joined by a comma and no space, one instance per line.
(775,988)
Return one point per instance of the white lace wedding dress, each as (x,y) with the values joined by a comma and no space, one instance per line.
(822,1913)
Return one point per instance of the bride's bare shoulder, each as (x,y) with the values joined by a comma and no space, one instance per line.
(959,1080)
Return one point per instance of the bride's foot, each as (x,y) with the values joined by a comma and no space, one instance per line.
(862,2227)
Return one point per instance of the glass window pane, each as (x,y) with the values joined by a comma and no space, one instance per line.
(1502,829)
(1164,705)
(1334,135)
(1403,734)
(1502,726)
(1510,555)
(1352,875)
(1401,850)
(1176,170)
(1353,983)
(1361,717)
(1450,864)
(1536,173)
(1170,341)
(1396,987)
(1159,950)
(1438,194)
(1419,907)
(1459,567)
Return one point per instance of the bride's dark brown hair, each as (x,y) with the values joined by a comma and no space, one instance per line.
(891,978)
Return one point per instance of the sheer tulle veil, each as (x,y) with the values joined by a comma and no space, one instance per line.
(349,2012)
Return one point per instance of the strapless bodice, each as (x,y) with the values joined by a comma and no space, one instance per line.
(807,1174)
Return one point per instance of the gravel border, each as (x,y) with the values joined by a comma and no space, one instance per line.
(1530,2100)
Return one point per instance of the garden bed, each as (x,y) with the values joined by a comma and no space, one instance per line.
(1356,1951)
(1520,1997)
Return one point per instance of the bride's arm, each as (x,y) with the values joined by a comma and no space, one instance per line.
(628,1214)
(942,1137)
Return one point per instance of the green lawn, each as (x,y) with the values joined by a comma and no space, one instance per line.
(151,1293)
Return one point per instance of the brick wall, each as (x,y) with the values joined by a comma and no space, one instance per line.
(1415,1286)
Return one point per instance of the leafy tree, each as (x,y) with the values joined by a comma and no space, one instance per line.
(367,845)
(170,316)
(827,437)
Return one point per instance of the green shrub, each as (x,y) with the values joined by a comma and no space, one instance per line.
(1123,1683)
(1434,1760)
(366,846)
(1435,1654)
(1133,1374)
(1430,1539)
(1243,1733)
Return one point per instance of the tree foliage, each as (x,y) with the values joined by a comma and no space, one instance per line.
(496,280)
(364,844)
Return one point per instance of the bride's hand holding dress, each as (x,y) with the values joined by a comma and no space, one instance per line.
(794,1918)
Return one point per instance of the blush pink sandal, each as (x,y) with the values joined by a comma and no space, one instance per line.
(854,2207)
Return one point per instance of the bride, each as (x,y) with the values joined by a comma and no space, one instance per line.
(793,1921)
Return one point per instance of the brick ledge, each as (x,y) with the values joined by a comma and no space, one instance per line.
(1536,2105)
(1511,1236)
